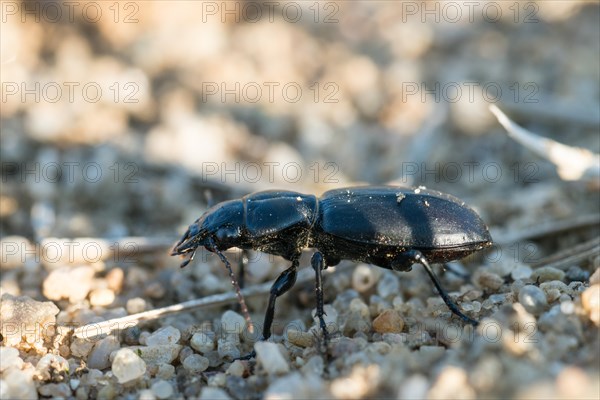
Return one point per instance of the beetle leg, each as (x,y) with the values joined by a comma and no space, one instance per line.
(242,268)
(283,283)
(318,265)
(418,258)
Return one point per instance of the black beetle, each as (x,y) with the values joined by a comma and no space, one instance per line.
(390,227)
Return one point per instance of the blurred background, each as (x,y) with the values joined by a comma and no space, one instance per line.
(115,117)
(123,119)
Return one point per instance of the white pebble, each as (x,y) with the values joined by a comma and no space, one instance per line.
(136,305)
(146,394)
(165,335)
(228,348)
(567,307)
(70,283)
(9,357)
(81,347)
(202,342)
(533,299)
(128,366)
(195,363)
(232,322)
(364,277)
(270,357)
(18,384)
(162,389)
(236,369)
(99,357)
(102,297)
(521,272)
(165,371)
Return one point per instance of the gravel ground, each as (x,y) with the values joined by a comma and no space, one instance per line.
(122,122)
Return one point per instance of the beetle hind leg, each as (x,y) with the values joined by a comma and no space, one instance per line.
(318,264)
(418,258)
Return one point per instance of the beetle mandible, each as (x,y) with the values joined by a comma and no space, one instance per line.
(390,227)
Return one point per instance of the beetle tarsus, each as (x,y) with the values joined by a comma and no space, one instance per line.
(418,258)
(247,357)
(318,265)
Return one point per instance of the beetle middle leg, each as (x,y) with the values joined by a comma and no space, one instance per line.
(418,258)
(282,284)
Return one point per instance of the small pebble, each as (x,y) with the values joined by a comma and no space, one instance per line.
(521,272)
(69,283)
(228,348)
(488,280)
(185,353)
(128,366)
(452,383)
(102,297)
(576,274)
(218,379)
(315,366)
(213,393)
(364,277)
(155,355)
(115,278)
(296,386)
(595,278)
(107,392)
(232,322)
(165,371)
(60,390)
(18,384)
(389,321)
(533,299)
(388,285)
(269,356)
(498,298)
(136,305)
(567,307)
(162,389)
(590,300)
(300,338)
(24,318)
(545,274)
(202,342)
(9,358)
(195,363)
(236,368)
(164,335)
(414,387)
(81,347)
(146,394)
(554,289)
(99,357)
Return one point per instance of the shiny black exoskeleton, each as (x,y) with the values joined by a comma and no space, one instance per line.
(390,227)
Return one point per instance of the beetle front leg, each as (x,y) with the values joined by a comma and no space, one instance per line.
(418,258)
(318,264)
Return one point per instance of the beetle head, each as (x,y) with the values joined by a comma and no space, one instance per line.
(219,228)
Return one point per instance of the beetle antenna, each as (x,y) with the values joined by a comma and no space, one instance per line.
(236,286)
